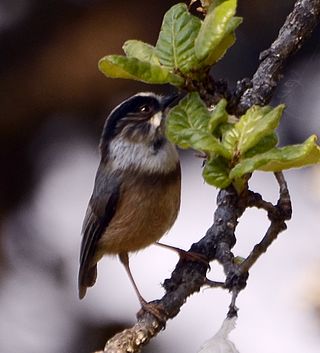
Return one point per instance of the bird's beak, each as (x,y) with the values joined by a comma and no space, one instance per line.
(171,100)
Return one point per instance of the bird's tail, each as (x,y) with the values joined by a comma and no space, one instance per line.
(87,279)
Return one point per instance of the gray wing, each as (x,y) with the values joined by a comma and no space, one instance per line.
(101,209)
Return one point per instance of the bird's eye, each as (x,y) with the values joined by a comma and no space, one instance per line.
(145,109)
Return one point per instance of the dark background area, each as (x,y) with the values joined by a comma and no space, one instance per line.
(53,102)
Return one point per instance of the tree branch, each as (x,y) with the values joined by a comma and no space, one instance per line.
(189,276)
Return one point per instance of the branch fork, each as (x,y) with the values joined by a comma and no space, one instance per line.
(189,277)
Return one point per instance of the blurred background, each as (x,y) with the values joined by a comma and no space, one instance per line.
(53,103)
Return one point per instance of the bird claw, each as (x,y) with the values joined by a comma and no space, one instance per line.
(155,310)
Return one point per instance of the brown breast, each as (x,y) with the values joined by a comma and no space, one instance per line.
(147,208)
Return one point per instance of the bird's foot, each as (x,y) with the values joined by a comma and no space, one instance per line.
(155,310)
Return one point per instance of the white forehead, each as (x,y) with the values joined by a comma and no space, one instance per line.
(146,94)
(140,94)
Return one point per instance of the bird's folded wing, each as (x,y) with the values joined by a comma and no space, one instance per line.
(101,209)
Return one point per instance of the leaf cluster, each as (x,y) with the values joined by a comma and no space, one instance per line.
(236,147)
(186,48)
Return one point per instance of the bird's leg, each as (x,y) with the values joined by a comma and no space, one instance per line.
(186,255)
(124,258)
(149,307)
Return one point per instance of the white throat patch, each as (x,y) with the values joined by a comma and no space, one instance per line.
(125,154)
(155,121)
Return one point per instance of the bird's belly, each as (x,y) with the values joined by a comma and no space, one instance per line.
(146,211)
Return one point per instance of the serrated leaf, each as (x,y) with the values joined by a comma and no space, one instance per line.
(278,159)
(175,45)
(257,123)
(216,172)
(140,50)
(187,126)
(264,145)
(117,66)
(214,28)
(218,115)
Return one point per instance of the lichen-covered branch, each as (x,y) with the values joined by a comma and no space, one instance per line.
(132,339)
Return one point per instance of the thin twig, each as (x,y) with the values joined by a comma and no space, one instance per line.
(281,212)
(256,200)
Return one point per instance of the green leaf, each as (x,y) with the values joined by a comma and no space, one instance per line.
(233,24)
(278,159)
(117,66)
(214,28)
(230,137)
(214,3)
(175,45)
(226,42)
(264,145)
(219,52)
(216,172)
(218,115)
(222,130)
(257,123)
(140,50)
(193,112)
(187,126)
(201,140)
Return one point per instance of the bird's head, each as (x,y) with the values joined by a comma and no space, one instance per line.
(139,119)
(134,132)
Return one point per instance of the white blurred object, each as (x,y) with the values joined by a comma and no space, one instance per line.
(220,342)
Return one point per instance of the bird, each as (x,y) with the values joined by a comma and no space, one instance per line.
(136,193)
